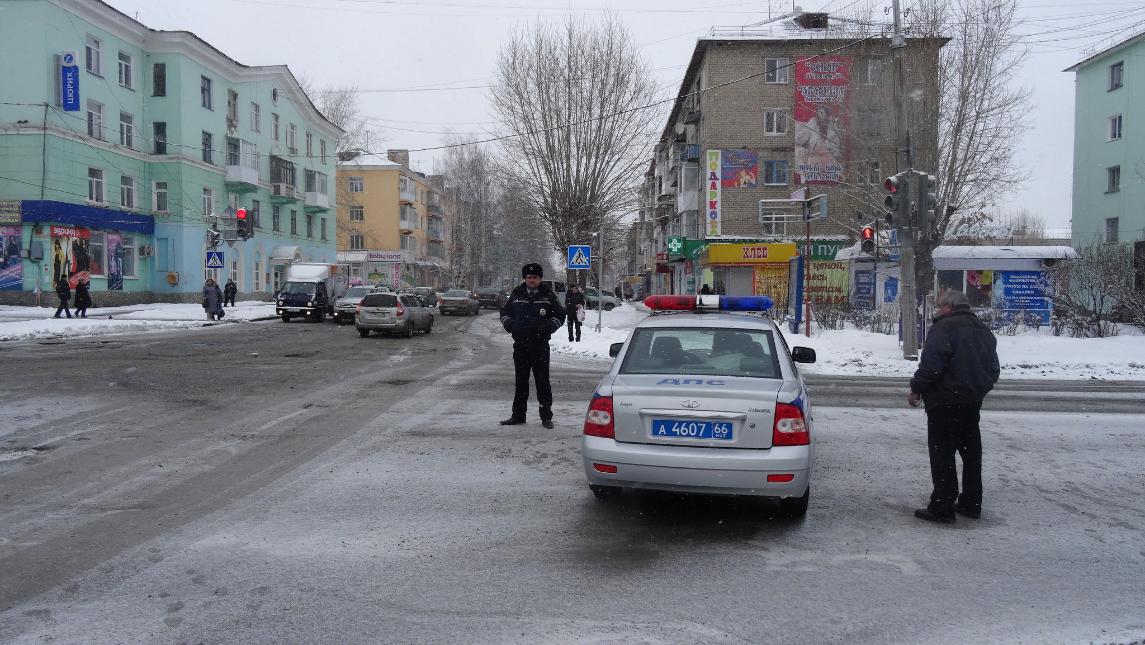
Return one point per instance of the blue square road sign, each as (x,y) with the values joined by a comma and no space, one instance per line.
(579,256)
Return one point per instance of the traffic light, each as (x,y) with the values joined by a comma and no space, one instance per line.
(897,201)
(214,235)
(868,236)
(927,198)
(243,224)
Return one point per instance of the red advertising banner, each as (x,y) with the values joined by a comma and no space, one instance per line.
(821,119)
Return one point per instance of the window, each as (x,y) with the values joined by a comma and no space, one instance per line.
(1113,179)
(95,184)
(356,242)
(291,137)
(205,92)
(127,264)
(125,71)
(294,222)
(1111,226)
(126,130)
(775,122)
(275,218)
(868,171)
(159,197)
(257,282)
(869,71)
(322,228)
(408,243)
(309,145)
(775,172)
(256,212)
(234,271)
(232,107)
(357,214)
(208,201)
(315,182)
(159,134)
(309,225)
(92,55)
(159,79)
(776,70)
(1114,128)
(97,252)
(322,150)
(710,350)
(773,222)
(233,151)
(94,120)
(1116,75)
(356,185)
(233,200)
(274,124)
(255,118)
(127,191)
(208,146)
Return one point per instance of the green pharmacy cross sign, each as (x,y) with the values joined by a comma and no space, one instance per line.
(675,245)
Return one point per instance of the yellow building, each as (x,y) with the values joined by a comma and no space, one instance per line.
(391,222)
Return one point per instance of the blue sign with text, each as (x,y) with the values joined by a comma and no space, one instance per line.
(865,289)
(891,290)
(69,82)
(1022,292)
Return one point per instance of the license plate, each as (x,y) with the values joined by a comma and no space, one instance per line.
(719,430)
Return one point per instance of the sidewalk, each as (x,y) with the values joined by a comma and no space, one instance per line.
(31,323)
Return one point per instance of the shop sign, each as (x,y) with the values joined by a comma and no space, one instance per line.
(383,256)
(712,194)
(751,253)
(10,212)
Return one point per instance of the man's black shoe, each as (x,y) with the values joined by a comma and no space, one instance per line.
(924,514)
(548,423)
(965,512)
(513,421)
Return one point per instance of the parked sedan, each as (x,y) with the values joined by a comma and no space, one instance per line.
(393,312)
(459,301)
(492,297)
(592,296)
(346,307)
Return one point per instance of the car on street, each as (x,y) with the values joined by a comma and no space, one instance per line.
(459,301)
(401,313)
(592,297)
(428,295)
(492,297)
(704,396)
(346,307)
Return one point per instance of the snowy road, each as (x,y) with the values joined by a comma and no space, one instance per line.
(270,482)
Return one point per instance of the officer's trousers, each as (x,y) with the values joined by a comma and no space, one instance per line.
(534,358)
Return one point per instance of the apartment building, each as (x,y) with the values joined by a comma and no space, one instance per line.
(391,222)
(123,144)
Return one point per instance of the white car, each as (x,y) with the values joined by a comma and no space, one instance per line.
(703,398)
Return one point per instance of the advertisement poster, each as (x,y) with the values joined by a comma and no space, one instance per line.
(114,261)
(740,169)
(828,282)
(891,290)
(713,169)
(1022,292)
(864,290)
(71,256)
(979,288)
(821,119)
(771,280)
(11,266)
(384,273)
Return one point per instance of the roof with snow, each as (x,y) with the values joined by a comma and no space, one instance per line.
(1005,252)
(372,160)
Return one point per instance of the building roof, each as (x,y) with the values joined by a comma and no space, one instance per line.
(1105,52)
(1005,252)
(371,160)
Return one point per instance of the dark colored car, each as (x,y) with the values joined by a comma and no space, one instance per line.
(492,297)
(459,301)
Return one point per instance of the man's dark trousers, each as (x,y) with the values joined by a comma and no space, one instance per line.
(573,321)
(532,357)
(950,429)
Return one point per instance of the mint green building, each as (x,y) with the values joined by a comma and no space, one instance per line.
(1109,146)
(120,145)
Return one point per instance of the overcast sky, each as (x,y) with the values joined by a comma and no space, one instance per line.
(422,65)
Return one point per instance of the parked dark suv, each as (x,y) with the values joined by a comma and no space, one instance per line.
(492,297)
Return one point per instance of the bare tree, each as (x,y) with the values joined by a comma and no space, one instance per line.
(1091,292)
(470,183)
(574,99)
(982,113)
(341,105)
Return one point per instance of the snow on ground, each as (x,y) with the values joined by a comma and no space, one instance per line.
(32,323)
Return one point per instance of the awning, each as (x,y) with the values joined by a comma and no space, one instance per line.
(287,254)
(351,256)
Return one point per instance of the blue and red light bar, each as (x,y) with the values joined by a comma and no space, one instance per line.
(708,303)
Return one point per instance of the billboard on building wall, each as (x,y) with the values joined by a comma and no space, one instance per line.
(713,168)
(115,252)
(740,168)
(821,119)
(828,282)
(11,266)
(771,280)
(71,256)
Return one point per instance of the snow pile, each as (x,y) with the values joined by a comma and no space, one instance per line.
(31,323)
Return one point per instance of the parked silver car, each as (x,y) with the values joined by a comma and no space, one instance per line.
(346,307)
(709,403)
(459,301)
(393,312)
(592,296)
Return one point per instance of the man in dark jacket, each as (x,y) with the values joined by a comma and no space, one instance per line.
(64,291)
(229,293)
(959,366)
(531,315)
(573,299)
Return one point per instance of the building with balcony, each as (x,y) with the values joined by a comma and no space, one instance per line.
(391,224)
(123,144)
(762,113)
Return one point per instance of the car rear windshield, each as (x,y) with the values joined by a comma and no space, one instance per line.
(702,350)
(456,293)
(380,300)
(357,292)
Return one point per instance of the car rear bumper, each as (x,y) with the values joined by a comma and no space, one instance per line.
(720,471)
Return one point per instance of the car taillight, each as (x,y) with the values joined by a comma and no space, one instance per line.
(401,309)
(598,421)
(790,427)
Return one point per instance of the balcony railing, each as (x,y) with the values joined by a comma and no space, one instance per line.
(317,201)
(407,192)
(435,234)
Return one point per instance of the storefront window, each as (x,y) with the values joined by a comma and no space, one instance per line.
(951,280)
(96,249)
(979,288)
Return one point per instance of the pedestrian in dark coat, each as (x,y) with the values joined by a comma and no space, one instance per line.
(83,298)
(531,315)
(959,366)
(212,300)
(574,301)
(229,292)
(64,291)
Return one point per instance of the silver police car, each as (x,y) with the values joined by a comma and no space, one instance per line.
(703,398)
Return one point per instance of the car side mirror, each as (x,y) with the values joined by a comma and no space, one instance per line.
(614,349)
(802,354)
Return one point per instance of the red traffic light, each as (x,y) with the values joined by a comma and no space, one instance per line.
(891,184)
(868,233)
(240,213)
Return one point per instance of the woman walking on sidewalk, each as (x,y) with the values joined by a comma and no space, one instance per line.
(64,291)
(212,300)
(83,298)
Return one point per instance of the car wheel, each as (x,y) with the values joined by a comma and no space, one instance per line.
(363,332)
(604,492)
(608,306)
(285,317)
(408,330)
(795,507)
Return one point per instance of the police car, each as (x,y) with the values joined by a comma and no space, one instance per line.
(703,397)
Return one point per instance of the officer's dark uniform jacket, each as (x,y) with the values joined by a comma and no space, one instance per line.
(959,360)
(532,319)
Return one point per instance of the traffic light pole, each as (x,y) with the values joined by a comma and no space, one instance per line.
(908,304)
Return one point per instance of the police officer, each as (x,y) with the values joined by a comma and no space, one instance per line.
(531,315)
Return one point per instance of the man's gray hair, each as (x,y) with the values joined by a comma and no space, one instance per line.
(952,298)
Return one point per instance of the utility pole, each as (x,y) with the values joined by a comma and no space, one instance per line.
(908,304)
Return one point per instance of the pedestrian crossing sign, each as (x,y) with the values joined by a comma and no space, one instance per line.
(579,256)
(214,259)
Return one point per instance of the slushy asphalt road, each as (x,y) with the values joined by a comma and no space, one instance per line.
(270,482)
